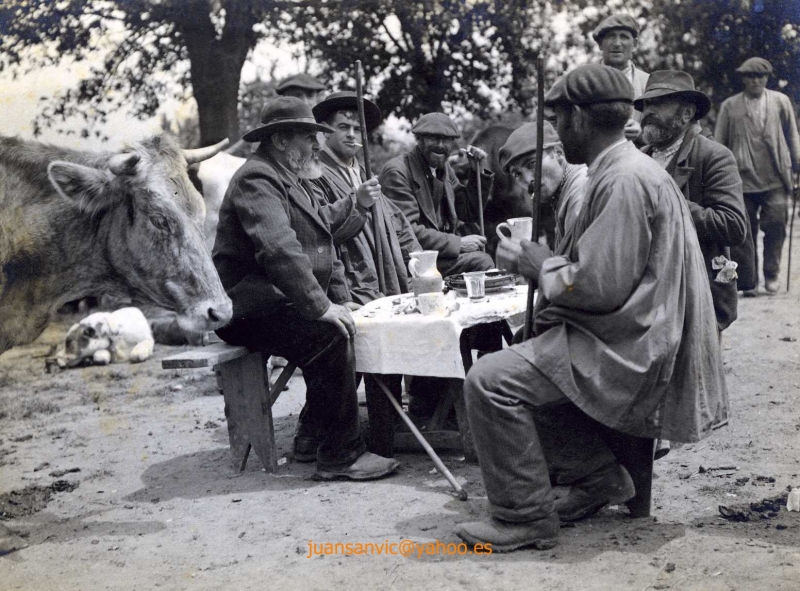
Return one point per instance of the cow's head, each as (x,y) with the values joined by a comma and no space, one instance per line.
(149,221)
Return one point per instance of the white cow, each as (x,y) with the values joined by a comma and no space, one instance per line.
(108,337)
(214,176)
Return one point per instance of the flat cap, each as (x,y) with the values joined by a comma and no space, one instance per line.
(615,21)
(755,65)
(435,124)
(590,84)
(303,81)
(522,142)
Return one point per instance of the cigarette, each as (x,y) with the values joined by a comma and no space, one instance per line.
(357,145)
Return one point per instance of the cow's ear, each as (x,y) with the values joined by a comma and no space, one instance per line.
(83,185)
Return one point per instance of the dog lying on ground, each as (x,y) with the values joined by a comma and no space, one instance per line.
(107,337)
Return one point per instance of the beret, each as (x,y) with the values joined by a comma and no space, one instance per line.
(589,84)
(346,100)
(755,65)
(303,81)
(522,141)
(435,124)
(615,21)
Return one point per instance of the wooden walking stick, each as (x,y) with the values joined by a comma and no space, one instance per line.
(795,195)
(377,221)
(537,185)
(462,494)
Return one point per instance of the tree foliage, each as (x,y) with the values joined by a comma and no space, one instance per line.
(710,39)
(154,49)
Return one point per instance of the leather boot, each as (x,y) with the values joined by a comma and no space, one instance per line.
(609,485)
(505,536)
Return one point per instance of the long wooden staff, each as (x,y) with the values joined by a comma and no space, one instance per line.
(537,185)
(795,195)
(377,225)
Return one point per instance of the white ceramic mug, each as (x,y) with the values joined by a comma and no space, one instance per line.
(432,304)
(517,227)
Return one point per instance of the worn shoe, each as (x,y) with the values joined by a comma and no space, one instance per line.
(305,449)
(609,485)
(368,466)
(504,536)
(750,293)
(772,286)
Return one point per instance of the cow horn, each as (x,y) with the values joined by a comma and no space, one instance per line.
(124,164)
(200,154)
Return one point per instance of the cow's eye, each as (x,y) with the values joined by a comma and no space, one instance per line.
(159,221)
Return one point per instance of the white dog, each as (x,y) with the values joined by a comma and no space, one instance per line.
(108,337)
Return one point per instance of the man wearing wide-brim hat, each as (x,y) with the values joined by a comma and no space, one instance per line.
(275,255)
(759,127)
(342,176)
(704,170)
(624,336)
(303,86)
(618,37)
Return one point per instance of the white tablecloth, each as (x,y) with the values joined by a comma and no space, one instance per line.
(414,344)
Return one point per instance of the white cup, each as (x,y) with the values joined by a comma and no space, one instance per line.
(432,304)
(517,227)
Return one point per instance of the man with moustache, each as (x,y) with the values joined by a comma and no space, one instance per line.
(275,256)
(442,211)
(563,184)
(759,127)
(624,334)
(618,37)
(704,170)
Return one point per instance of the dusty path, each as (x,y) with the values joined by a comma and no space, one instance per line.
(157,504)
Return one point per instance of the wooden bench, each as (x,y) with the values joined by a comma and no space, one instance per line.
(243,378)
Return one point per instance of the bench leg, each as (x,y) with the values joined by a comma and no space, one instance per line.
(248,410)
(636,455)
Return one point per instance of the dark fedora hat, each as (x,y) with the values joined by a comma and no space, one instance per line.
(346,100)
(284,113)
(673,82)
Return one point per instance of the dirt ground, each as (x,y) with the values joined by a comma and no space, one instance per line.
(120,478)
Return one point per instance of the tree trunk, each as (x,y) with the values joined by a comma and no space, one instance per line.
(216,67)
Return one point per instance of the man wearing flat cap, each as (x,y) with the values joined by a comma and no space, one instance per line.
(625,337)
(303,86)
(275,255)
(442,211)
(563,184)
(759,127)
(704,170)
(618,37)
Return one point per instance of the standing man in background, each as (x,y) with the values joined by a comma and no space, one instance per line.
(759,127)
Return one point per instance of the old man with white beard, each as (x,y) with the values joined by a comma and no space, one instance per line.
(275,256)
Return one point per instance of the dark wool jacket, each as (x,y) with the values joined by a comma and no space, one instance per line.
(707,174)
(274,246)
(404,180)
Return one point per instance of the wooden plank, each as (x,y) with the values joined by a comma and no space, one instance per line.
(204,357)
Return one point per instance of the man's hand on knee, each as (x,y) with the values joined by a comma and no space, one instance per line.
(340,317)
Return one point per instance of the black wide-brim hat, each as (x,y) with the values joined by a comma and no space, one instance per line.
(677,83)
(285,113)
(346,100)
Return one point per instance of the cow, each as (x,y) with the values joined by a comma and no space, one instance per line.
(128,224)
(107,337)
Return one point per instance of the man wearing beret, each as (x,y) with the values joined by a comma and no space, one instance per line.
(704,170)
(442,211)
(563,184)
(618,37)
(303,86)
(275,255)
(624,334)
(759,127)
